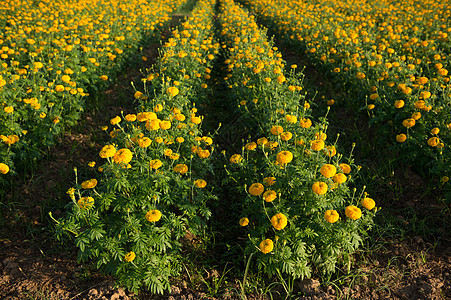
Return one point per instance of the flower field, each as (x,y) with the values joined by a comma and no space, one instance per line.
(215,154)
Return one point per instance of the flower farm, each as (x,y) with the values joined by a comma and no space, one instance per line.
(302,148)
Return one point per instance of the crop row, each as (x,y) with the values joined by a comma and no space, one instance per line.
(51,52)
(392,58)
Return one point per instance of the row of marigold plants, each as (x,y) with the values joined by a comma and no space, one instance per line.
(151,188)
(300,209)
(392,57)
(50,54)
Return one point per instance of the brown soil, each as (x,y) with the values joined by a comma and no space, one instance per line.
(412,260)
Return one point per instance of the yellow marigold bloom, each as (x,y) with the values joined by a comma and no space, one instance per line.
(172,91)
(444,179)
(399,103)
(331,216)
(360,75)
(416,115)
(345,168)
(266,246)
(138,95)
(286,136)
(179,139)
(158,108)
(319,188)
(269,196)
(408,123)
(146,116)
(8,109)
(196,120)
(339,178)
(165,125)
(123,156)
(236,158)
(284,157)
(59,88)
(180,117)
(92,164)
(305,123)
(153,124)
(115,120)
(281,79)
(203,153)
(368,203)
(251,146)
(279,221)
(244,222)
(291,119)
(130,256)
(435,130)
(104,77)
(401,138)
(256,189)
(200,183)
(85,203)
(317,145)
(276,129)
(181,168)
(433,141)
(328,170)
(130,117)
(89,184)
(107,151)
(262,141)
(422,80)
(330,151)
(4,168)
(153,215)
(353,212)
(65,78)
(144,142)
(155,164)
(269,181)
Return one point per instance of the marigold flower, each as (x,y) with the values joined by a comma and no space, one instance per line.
(408,123)
(269,196)
(435,130)
(59,88)
(269,181)
(286,136)
(328,170)
(339,178)
(155,164)
(353,212)
(433,141)
(138,95)
(399,103)
(331,216)
(256,189)
(85,203)
(4,168)
(319,188)
(279,221)
(203,153)
(305,123)
(266,246)
(262,141)
(89,184)
(123,156)
(172,91)
(284,157)
(276,129)
(130,256)
(146,116)
(181,168)
(115,120)
(104,77)
(345,168)
(200,183)
(401,138)
(444,179)
(368,203)
(130,117)
(165,125)
(317,145)
(107,151)
(251,146)
(236,158)
(8,109)
(195,120)
(244,222)
(153,215)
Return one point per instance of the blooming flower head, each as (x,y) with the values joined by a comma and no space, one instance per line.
(85,203)
(269,196)
(4,168)
(155,164)
(331,216)
(328,170)
(353,212)
(181,168)
(236,158)
(153,215)
(144,142)
(339,178)
(276,129)
(123,156)
(244,222)
(256,189)
(266,246)
(345,168)
(200,183)
(172,91)
(284,157)
(107,151)
(89,184)
(130,256)
(317,145)
(251,146)
(319,188)
(368,203)
(401,138)
(269,180)
(279,221)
